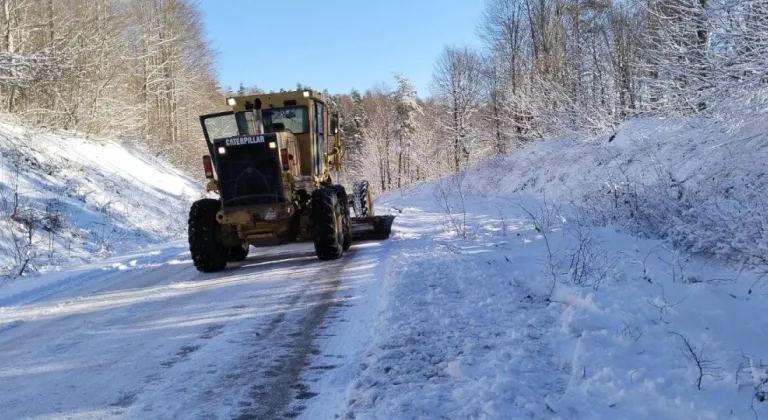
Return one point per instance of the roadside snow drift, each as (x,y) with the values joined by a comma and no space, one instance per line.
(694,182)
(475,328)
(516,291)
(67,199)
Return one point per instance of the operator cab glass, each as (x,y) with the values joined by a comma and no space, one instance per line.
(294,119)
(220,126)
(225,125)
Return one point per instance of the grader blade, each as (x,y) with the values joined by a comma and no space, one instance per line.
(372,227)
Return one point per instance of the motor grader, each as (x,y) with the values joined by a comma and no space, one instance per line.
(271,160)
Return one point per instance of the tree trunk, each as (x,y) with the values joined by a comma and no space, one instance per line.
(10,45)
(400,163)
(457,134)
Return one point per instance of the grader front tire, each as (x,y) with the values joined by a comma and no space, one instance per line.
(341,193)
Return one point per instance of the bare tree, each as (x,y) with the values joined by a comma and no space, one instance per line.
(405,125)
(135,69)
(456,83)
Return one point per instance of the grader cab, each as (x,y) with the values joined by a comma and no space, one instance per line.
(271,160)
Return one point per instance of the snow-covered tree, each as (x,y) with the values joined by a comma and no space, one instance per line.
(457,85)
(140,70)
(405,125)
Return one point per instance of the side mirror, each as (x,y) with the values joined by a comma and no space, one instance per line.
(334,123)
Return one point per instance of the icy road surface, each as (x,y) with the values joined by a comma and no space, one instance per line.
(147,336)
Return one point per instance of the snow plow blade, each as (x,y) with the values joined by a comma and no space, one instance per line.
(372,227)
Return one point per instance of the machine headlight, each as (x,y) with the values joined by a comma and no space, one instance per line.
(222,150)
(272,145)
(231,101)
(306,94)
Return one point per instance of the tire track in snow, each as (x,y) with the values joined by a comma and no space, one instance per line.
(282,377)
(347,332)
(224,376)
(98,349)
(199,380)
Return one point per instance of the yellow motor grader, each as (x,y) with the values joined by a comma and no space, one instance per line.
(271,160)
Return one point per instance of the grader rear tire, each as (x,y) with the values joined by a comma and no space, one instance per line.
(341,193)
(362,199)
(208,254)
(328,224)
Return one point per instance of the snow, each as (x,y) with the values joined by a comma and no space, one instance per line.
(470,331)
(157,339)
(691,181)
(346,334)
(511,291)
(87,199)
(473,326)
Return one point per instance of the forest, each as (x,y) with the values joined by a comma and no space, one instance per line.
(562,67)
(142,71)
(136,70)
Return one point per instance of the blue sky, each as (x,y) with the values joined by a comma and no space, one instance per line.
(335,44)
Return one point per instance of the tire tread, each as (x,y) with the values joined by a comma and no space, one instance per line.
(207,254)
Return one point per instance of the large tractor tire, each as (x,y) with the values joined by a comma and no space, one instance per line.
(327,224)
(341,194)
(238,253)
(208,254)
(362,199)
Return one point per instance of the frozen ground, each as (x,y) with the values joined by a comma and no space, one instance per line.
(472,328)
(488,302)
(147,336)
(633,294)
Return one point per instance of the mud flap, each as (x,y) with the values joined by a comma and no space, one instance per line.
(372,227)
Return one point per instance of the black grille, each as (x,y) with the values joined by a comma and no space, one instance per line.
(249,172)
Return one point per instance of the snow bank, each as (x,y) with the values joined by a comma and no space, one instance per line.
(689,181)
(689,148)
(506,300)
(65,199)
(473,328)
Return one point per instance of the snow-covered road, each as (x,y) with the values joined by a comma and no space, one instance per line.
(147,336)
(471,310)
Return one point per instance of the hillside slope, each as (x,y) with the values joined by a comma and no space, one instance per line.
(65,199)
(693,182)
(577,280)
